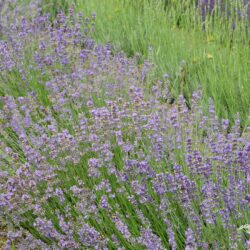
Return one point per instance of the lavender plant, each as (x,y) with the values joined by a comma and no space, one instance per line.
(92,158)
(240,8)
(216,59)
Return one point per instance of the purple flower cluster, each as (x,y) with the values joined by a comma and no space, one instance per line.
(239,8)
(92,158)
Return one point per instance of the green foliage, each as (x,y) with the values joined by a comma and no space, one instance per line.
(53,7)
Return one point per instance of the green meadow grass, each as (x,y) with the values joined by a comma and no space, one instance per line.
(216,59)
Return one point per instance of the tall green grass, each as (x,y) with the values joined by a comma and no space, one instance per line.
(209,54)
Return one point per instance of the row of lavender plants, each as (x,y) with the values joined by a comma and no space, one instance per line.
(239,8)
(92,157)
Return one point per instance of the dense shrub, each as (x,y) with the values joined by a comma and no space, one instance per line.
(93,158)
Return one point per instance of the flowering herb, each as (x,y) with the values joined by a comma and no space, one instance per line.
(101,163)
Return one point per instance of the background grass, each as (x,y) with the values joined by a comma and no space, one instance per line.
(194,52)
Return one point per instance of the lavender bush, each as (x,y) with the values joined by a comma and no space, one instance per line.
(213,12)
(93,158)
(241,8)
